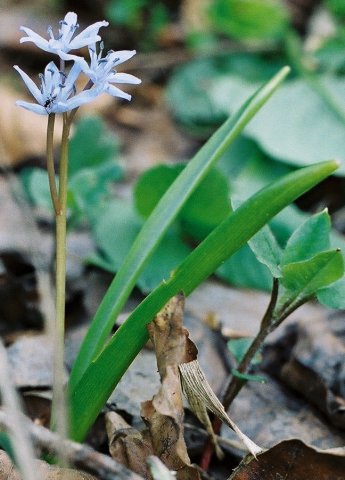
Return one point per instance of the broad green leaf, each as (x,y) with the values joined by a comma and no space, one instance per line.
(243,270)
(267,251)
(36,186)
(91,145)
(115,228)
(203,211)
(304,279)
(159,222)
(151,186)
(98,379)
(207,207)
(309,239)
(298,127)
(191,102)
(88,187)
(250,19)
(334,295)
(265,247)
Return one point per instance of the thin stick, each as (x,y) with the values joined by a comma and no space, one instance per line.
(21,442)
(50,162)
(80,455)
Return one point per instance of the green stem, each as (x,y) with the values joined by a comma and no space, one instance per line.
(59,401)
(50,162)
(267,325)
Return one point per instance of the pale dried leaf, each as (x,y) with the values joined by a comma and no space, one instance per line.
(201,396)
(158,470)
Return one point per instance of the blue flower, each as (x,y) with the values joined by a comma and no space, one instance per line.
(102,72)
(57,91)
(65,41)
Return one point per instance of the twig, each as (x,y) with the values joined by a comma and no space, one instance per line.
(81,456)
(22,447)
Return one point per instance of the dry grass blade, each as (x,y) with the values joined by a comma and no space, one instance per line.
(201,397)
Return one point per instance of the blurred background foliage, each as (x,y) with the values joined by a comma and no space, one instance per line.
(199,60)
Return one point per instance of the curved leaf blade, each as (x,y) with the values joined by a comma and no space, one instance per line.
(160,220)
(89,395)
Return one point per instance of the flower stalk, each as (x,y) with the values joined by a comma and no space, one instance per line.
(57,94)
(59,401)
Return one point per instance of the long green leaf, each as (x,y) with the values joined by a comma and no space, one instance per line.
(160,220)
(90,394)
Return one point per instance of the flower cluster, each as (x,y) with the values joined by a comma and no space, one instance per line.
(57,92)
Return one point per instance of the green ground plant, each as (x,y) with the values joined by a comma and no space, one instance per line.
(307,266)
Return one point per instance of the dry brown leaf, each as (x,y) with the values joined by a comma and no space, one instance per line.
(48,472)
(292,460)
(126,444)
(163,414)
(170,338)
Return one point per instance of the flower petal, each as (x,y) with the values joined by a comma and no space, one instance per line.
(32,87)
(33,107)
(87,36)
(83,97)
(123,78)
(116,92)
(121,56)
(77,43)
(73,74)
(71,18)
(39,41)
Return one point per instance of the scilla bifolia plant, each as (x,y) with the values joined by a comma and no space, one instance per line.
(101,361)
(57,94)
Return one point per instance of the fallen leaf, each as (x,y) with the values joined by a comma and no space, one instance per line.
(292,460)
(126,444)
(158,470)
(314,368)
(48,472)
(163,415)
